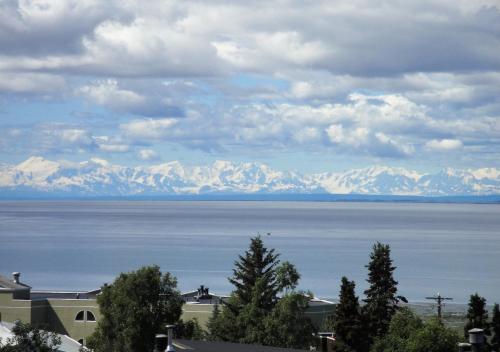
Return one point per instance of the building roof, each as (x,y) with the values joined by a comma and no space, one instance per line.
(212,346)
(64,294)
(10,285)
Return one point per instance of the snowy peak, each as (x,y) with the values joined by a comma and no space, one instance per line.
(98,177)
(38,167)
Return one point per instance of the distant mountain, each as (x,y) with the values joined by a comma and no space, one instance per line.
(96,177)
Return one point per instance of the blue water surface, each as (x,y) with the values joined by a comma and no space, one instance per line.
(453,249)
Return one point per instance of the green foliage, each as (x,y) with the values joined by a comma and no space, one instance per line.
(495,329)
(287,276)
(477,315)
(287,326)
(403,325)
(407,333)
(381,300)
(253,313)
(134,308)
(347,323)
(189,330)
(213,325)
(259,263)
(30,338)
(433,337)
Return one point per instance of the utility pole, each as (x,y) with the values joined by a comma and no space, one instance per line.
(439,299)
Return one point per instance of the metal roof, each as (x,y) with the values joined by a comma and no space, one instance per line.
(216,346)
(9,284)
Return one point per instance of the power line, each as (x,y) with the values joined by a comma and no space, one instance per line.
(439,299)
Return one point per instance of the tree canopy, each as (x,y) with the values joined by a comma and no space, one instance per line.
(347,323)
(495,328)
(254,313)
(134,308)
(477,315)
(30,338)
(408,333)
(258,264)
(381,300)
(287,276)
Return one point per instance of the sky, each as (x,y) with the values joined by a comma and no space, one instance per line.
(309,86)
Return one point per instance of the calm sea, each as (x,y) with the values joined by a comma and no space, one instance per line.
(453,249)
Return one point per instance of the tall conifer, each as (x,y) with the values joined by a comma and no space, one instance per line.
(258,264)
(495,328)
(253,314)
(381,300)
(477,315)
(347,319)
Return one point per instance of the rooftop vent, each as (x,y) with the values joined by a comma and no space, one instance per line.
(15,277)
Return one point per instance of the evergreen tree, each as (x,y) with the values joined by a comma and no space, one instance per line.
(347,319)
(213,324)
(495,328)
(381,300)
(259,263)
(477,315)
(189,330)
(133,309)
(253,314)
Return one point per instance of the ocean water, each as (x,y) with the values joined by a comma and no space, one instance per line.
(453,249)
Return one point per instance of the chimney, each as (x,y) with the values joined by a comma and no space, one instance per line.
(15,277)
(160,342)
(476,339)
(170,347)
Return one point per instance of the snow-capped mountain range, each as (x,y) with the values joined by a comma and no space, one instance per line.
(96,177)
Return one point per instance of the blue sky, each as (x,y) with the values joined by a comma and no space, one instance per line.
(308,86)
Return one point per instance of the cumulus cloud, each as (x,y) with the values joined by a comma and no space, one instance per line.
(148,155)
(192,38)
(444,145)
(31,83)
(397,79)
(147,129)
(361,139)
(111,145)
(109,94)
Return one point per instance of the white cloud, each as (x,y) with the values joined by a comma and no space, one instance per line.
(111,145)
(31,83)
(109,94)
(79,137)
(444,145)
(361,77)
(148,155)
(148,128)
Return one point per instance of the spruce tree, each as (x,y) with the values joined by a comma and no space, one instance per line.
(253,313)
(381,300)
(477,315)
(347,319)
(495,329)
(258,263)
(213,325)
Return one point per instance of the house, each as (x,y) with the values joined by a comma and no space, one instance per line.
(75,314)
(68,313)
